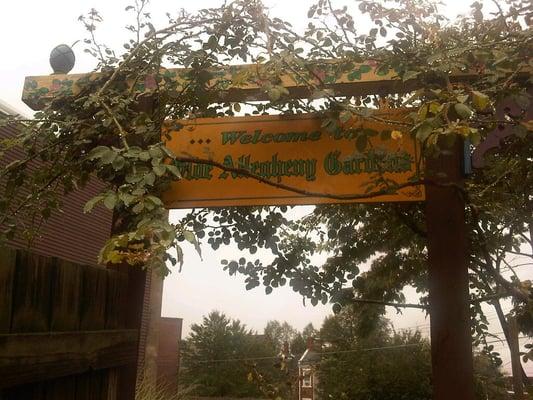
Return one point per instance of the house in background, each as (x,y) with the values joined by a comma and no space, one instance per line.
(70,234)
(307,372)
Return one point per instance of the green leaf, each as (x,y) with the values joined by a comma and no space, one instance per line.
(91,203)
(423,131)
(462,98)
(155,152)
(360,143)
(410,75)
(144,156)
(160,169)
(98,152)
(126,198)
(463,110)
(274,94)
(156,200)
(268,290)
(191,238)
(108,157)
(365,68)
(354,75)
(138,208)
(174,170)
(118,163)
(110,201)
(345,116)
(149,179)
(480,100)
(382,70)
(237,107)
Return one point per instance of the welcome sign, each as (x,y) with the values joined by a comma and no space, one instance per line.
(291,150)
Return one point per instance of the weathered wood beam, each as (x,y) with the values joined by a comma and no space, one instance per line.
(243,82)
(32,357)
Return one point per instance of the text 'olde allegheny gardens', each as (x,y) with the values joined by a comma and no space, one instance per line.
(292,150)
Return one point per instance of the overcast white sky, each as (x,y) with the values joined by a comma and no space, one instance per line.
(29,29)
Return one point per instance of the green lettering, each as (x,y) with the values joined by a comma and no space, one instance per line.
(296,136)
(231,136)
(266,138)
(257,134)
(331,163)
(280,137)
(315,135)
(228,162)
(245,139)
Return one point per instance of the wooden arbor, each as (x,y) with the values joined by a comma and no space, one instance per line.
(447,244)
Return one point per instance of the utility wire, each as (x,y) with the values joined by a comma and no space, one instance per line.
(321,353)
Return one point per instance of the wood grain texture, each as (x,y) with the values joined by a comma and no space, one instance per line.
(34,277)
(26,358)
(93,298)
(243,82)
(65,312)
(7,277)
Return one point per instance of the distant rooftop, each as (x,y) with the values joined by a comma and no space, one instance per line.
(5,108)
(309,357)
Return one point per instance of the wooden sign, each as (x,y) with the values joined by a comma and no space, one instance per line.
(294,151)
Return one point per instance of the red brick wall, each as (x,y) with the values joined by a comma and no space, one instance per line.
(70,234)
(169,353)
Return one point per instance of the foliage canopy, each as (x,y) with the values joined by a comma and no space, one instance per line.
(111,129)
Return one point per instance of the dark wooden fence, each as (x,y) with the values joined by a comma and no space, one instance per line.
(62,329)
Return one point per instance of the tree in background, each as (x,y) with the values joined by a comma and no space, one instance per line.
(279,333)
(216,358)
(383,364)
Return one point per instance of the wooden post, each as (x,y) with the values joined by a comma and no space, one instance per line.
(451,345)
(514,349)
(138,305)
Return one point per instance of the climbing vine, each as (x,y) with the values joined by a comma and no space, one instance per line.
(107,125)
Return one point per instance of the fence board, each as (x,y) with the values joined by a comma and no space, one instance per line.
(34,277)
(8,259)
(33,391)
(60,389)
(62,330)
(93,298)
(117,284)
(32,357)
(66,297)
(91,385)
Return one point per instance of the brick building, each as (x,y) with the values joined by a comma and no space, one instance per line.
(78,237)
(307,372)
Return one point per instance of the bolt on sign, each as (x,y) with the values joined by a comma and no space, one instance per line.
(296,151)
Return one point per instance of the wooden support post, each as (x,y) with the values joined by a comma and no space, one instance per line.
(514,349)
(147,374)
(451,345)
(138,297)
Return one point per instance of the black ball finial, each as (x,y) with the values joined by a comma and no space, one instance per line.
(62,59)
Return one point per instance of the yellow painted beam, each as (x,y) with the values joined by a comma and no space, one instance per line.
(244,82)
(235,83)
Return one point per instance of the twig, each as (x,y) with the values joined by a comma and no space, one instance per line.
(247,173)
